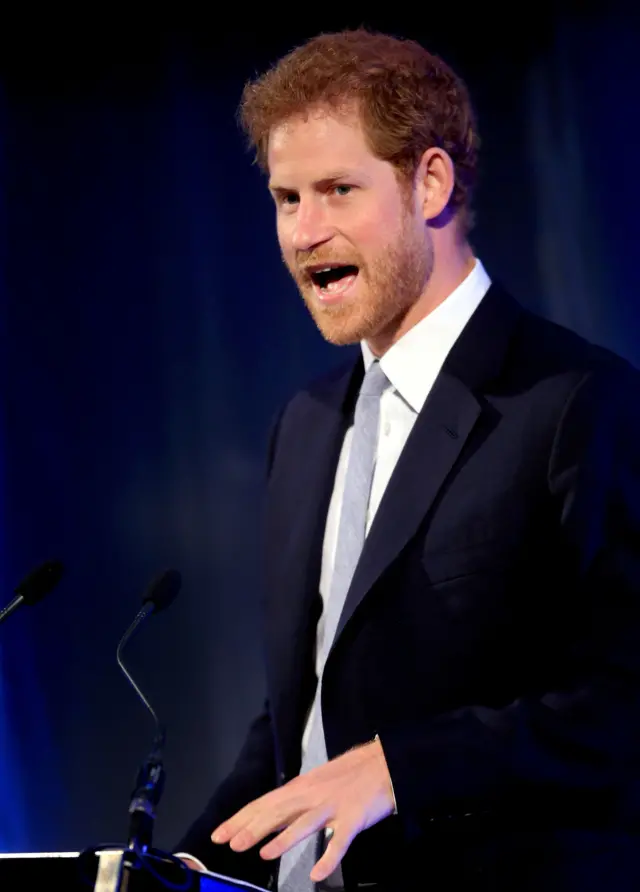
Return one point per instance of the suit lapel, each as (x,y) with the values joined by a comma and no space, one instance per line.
(309,441)
(436,441)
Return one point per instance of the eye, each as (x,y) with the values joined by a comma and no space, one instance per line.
(342,189)
(285,201)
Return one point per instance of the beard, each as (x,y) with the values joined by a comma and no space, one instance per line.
(387,287)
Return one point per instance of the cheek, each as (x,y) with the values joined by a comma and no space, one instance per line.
(368,232)
(287,222)
(379,226)
(373,238)
(284,241)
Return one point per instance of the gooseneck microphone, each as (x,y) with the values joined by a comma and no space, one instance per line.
(150,779)
(34,587)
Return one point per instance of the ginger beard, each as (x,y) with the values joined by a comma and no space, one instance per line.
(386,286)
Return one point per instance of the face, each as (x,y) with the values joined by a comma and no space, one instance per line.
(353,239)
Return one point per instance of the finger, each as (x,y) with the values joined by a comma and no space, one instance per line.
(340,841)
(229,828)
(252,835)
(267,821)
(236,823)
(307,823)
(225,831)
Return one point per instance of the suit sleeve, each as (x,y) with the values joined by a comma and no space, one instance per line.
(253,775)
(577,743)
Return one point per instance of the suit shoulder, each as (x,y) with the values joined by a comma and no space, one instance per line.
(556,350)
(325,394)
(327,386)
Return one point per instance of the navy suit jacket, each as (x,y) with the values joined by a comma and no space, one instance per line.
(491,634)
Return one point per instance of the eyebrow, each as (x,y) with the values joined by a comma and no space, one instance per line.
(322,183)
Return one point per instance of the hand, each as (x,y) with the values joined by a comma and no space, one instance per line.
(347,795)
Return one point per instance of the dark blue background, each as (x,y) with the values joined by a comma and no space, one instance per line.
(149,332)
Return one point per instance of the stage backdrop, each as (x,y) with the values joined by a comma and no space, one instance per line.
(149,332)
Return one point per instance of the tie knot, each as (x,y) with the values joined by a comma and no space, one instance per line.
(375,382)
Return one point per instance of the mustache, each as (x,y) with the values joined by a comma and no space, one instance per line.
(303,261)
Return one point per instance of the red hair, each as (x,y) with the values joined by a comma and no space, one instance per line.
(408,100)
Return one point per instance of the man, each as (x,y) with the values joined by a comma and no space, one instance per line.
(477,720)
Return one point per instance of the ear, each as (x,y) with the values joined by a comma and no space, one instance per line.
(435,179)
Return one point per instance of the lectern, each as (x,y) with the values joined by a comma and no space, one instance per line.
(108,870)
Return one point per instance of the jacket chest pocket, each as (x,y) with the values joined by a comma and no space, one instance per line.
(475,585)
(492,556)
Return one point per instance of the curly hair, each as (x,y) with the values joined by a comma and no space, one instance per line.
(408,99)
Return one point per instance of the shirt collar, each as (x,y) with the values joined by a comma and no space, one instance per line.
(413,363)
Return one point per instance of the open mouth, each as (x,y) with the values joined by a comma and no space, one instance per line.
(333,280)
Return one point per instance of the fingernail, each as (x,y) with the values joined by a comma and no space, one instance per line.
(218,836)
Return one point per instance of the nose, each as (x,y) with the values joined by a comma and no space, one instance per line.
(311,226)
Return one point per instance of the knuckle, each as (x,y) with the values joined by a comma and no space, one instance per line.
(286,837)
(247,837)
(343,834)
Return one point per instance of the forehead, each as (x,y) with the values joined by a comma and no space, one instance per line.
(306,144)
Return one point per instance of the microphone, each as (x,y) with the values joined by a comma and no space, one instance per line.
(149,782)
(34,587)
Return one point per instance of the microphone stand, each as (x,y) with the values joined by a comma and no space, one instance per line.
(146,796)
(149,783)
(116,867)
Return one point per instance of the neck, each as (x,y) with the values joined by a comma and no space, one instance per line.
(451,266)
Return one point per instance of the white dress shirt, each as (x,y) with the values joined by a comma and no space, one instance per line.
(412,365)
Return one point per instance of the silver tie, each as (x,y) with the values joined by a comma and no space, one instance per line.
(296,864)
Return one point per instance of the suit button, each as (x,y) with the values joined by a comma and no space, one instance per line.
(283,777)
